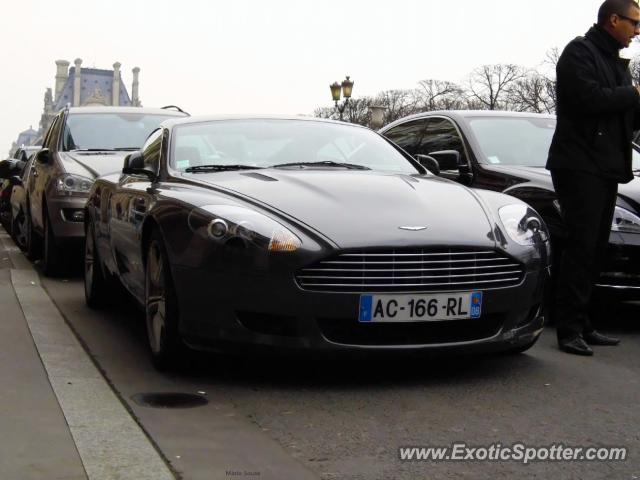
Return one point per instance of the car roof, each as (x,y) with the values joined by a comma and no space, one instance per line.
(214,118)
(461,114)
(145,110)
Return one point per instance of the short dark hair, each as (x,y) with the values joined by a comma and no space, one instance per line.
(617,7)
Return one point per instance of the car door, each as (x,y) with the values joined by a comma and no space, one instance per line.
(42,173)
(128,207)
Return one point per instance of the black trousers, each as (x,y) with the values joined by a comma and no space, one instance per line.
(587,203)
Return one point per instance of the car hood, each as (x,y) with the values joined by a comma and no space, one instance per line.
(542,177)
(355,208)
(93,164)
(537,175)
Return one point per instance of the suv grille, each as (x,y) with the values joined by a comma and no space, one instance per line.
(414,270)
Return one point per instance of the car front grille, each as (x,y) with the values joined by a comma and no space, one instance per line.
(412,270)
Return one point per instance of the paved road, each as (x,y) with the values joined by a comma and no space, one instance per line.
(345,418)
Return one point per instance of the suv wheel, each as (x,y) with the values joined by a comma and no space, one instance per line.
(52,258)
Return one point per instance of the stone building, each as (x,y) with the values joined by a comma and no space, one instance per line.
(28,137)
(80,87)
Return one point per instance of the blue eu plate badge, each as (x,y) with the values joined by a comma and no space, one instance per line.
(476,304)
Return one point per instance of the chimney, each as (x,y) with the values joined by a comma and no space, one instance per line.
(62,73)
(115,87)
(135,101)
(76,82)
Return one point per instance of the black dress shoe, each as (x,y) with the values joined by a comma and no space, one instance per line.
(595,338)
(576,345)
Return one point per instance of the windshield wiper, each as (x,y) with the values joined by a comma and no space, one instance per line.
(324,163)
(636,171)
(126,149)
(218,168)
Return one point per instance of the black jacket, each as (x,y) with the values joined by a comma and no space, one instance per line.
(597,109)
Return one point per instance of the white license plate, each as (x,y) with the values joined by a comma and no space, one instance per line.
(420,308)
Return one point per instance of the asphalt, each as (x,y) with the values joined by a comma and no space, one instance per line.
(59,417)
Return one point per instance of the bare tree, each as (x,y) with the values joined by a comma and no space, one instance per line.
(438,94)
(398,103)
(531,94)
(489,83)
(634,67)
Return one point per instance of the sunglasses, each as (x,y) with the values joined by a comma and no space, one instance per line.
(634,22)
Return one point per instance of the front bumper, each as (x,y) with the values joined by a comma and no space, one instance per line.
(223,312)
(67,225)
(620,277)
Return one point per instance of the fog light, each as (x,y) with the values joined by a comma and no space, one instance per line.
(73,215)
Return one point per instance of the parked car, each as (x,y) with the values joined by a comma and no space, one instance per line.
(507,152)
(81,144)
(18,210)
(9,168)
(310,234)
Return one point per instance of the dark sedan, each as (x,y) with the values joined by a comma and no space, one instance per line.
(507,152)
(304,233)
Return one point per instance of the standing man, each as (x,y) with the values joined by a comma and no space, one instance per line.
(598,109)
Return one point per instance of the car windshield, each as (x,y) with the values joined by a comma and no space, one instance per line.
(109,131)
(514,140)
(522,141)
(261,143)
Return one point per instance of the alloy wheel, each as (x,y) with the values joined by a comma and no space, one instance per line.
(156,303)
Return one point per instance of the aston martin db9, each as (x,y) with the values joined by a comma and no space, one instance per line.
(303,233)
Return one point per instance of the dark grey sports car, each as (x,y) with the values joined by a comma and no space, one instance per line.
(311,234)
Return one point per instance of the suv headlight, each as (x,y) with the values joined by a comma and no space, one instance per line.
(252,228)
(69,184)
(523,224)
(625,221)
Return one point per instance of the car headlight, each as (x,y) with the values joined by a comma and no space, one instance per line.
(523,224)
(68,184)
(625,221)
(252,228)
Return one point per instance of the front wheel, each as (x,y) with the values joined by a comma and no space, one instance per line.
(52,258)
(161,308)
(33,244)
(94,283)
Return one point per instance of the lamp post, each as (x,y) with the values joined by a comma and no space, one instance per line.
(346,88)
(377,116)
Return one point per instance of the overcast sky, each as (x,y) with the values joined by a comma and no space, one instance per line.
(275,56)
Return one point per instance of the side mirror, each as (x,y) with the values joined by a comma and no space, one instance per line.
(447,159)
(15,181)
(43,156)
(134,165)
(429,163)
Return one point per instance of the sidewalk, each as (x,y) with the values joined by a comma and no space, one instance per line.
(36,442)
(59,418)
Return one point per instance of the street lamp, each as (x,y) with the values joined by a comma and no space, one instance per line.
(346,87)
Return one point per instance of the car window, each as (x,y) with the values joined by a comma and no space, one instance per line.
(521,141)
(49,134)
(151,151)
(408,135)
(441,135)
(264,143)
(109,131)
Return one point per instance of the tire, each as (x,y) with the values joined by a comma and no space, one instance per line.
(161,309)
(33,243)
(52,254)
(95,286)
